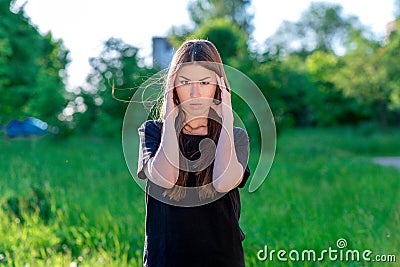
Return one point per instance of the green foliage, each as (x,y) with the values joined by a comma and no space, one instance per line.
(38,203)
(32,69)
(275,81)
(301,74)
(201,11)
(321,27)
(118,65)
(390,54)
(230,40)
(178,34)
(325,88)
(330,105)
(368,72)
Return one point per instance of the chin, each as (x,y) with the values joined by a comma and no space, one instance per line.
(197,110)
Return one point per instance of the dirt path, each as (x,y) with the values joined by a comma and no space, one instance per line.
(388,161)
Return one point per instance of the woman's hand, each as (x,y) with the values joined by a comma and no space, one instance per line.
(171,110)
(224,109)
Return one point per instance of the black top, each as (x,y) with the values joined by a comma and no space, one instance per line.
(206,235)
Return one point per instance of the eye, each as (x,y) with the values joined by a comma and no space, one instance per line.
(184,82)
(204,83)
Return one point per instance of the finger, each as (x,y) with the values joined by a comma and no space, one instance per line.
(218,81)
(223,82)
(225,85)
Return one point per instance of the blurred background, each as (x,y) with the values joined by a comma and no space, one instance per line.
(331,78)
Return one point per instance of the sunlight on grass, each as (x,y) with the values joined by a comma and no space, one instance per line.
(73,202)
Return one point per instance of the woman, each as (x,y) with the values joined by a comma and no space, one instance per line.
(195,160)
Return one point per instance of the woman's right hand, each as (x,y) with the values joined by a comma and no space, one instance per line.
(171,110)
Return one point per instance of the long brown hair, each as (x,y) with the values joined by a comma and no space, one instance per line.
(205,53)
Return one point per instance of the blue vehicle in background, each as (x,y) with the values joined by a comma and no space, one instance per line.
(26,128)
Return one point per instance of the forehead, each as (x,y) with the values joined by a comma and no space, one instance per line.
(195,72)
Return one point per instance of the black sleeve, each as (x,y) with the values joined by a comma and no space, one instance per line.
(150,139)
(242,152)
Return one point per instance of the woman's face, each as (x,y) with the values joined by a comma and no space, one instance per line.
(195,87)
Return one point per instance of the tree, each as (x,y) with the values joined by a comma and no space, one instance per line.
(237,11)
(329,104)
(32,69)
(203,11)
(370,73)
(321,27)
(229,39)
(117,65)
(391,56)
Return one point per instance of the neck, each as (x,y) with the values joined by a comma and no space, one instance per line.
(197,123)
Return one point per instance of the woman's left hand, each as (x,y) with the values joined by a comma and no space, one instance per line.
(224,109)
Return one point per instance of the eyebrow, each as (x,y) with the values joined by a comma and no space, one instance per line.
(199,80)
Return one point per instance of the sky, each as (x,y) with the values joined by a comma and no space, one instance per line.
(84,25)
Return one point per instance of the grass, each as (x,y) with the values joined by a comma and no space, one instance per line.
(74,203)
(322,187)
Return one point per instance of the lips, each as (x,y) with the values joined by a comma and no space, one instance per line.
(195,104)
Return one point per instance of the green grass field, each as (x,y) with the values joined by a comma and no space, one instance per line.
(74,203)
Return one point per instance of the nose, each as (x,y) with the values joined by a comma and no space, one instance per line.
(194,89)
